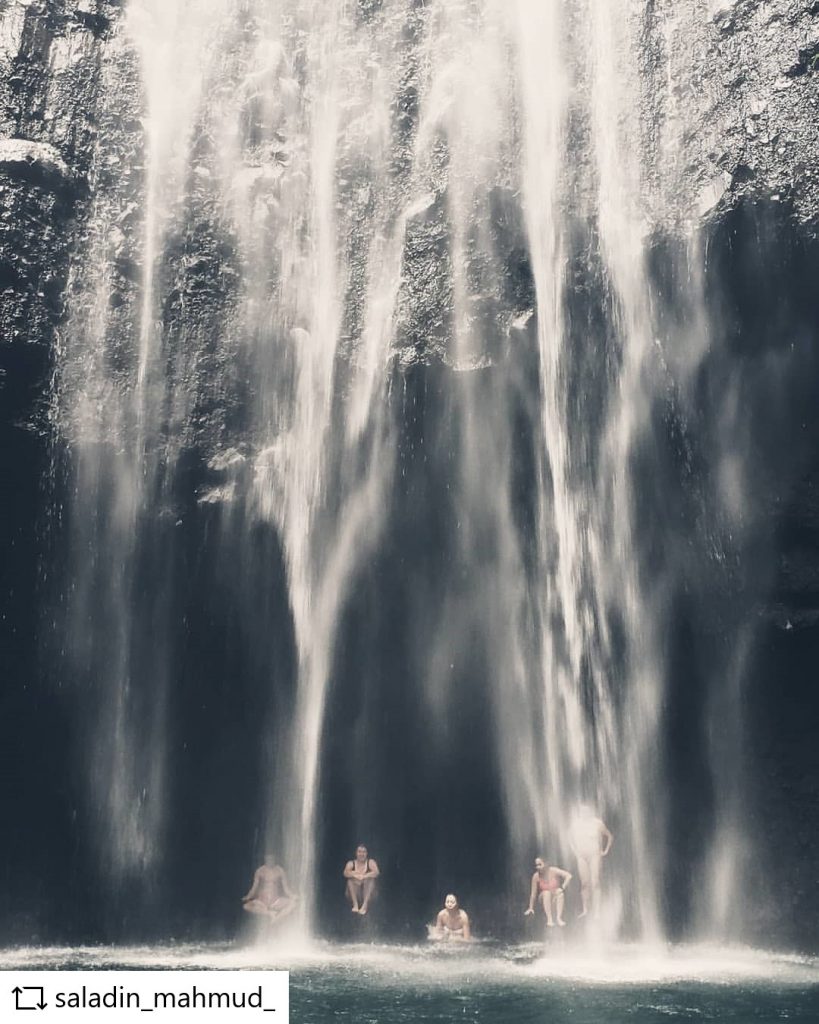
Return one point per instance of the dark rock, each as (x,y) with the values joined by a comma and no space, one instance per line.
(50,60)
(37,163)
(88,15)
(807,62)
(743,173)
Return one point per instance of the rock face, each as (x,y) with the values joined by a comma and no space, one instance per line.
(759,102)
(51,54)
(37,162)
(69,115)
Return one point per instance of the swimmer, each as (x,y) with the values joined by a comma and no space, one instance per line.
(452,923)
(361,873)
(270,895)
(549,888)
(590,841)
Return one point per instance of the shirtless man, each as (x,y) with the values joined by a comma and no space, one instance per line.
(361,873)
(451,922)
(270,895)
(590,841)
(548,887)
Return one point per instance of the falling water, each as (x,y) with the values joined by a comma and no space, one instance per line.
(326,146)
(121,408)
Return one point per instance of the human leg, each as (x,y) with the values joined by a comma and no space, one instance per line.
(283,907)
(546,899)
(257,907)
(594,883)
(354,894)
(368,891)
(584,871)
(560,898)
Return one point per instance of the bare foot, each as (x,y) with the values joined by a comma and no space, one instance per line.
(581,914)
(561,924)
(363,910)
(356,910)
(550,924)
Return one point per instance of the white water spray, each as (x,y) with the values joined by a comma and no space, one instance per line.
(281,120)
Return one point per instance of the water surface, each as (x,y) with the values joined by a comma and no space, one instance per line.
(488,982)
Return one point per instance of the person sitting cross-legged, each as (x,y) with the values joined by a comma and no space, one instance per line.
(270,895)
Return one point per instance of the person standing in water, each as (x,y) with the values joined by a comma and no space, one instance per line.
(361,873)
(452,922)
(270,895)
(549,888)
(590,842)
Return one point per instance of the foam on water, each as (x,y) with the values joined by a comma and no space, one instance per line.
(616,965)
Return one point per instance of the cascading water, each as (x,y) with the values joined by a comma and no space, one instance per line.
(124,407)
(466,183)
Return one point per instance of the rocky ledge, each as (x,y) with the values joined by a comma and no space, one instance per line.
(52,53)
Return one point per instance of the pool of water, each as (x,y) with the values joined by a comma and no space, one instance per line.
(486,982)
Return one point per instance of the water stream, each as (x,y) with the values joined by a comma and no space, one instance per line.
(314,204)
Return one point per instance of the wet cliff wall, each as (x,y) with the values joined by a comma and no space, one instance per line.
(50,59)
(70,135)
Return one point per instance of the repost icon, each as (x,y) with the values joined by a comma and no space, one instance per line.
(29,997)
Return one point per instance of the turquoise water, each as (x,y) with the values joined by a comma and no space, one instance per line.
(492,983)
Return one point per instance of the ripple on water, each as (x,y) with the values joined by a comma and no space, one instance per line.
(490,982)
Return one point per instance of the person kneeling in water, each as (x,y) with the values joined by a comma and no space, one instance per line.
(548,885)
(451,922)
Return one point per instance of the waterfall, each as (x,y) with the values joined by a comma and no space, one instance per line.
(299,204)
(121,401)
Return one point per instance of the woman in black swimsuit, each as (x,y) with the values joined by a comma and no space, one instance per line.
(361,873)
